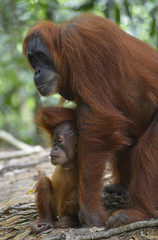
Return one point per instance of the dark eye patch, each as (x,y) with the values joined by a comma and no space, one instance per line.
(40,55)
(60,141)
(32,60)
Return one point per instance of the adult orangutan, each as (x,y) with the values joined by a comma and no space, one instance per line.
(113,79)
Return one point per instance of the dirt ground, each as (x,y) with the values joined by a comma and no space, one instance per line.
(18,210)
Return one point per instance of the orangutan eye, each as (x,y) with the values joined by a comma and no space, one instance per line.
(32,61)
(60,140)
(40,55)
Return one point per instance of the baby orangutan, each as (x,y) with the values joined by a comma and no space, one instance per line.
(57,199)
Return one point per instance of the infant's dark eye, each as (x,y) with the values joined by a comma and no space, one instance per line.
(60,141)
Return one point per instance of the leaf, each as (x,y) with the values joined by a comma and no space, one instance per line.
(153,27)
(126,4)
(88,5)
(117,14)
(31,191)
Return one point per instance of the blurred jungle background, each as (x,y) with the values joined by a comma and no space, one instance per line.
(19,99)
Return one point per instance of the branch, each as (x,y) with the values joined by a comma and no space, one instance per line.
(119,230)
(86,233)
(17,207)
(13,141)
(25,149)
(34,213)
(20,153)
(21,166)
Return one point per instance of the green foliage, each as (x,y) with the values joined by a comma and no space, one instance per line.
(18,97)
(117,13)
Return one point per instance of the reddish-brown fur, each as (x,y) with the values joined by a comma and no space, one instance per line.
(58,196)
(49,117)
(113,78)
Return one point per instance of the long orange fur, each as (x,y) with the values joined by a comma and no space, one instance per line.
(114,80)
